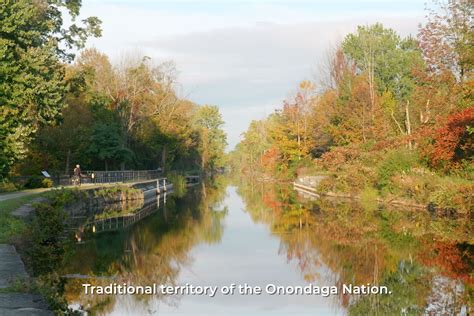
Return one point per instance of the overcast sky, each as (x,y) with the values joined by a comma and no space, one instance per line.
(244,56)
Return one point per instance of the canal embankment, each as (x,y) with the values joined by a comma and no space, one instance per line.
(41,237)
(317,187)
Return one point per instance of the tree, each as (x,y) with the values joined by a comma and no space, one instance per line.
(447,39)
(142,95)
(385,57)
(254,145)
(212,139)
(33,42)
(388,62)
(106,144)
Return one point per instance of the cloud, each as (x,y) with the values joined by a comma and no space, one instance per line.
(244,56)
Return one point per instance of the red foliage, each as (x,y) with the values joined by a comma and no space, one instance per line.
(452,142)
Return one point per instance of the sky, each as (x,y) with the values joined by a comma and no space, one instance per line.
(244,56)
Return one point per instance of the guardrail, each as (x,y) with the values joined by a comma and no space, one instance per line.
(93,176)
(120,176)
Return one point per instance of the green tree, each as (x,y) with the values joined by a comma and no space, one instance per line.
(33,44)
(212,139)
(387,58)
(107,145)
(388,62)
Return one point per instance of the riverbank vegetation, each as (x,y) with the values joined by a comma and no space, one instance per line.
(58,109)
(44,243)
(392,116)
(117,193)
(11,226)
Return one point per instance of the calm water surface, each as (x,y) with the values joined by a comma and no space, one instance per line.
(222,234)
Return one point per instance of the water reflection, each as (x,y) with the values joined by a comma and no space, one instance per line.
(153,250)
(260,234)
(425,261)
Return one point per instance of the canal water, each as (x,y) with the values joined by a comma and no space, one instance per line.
(259,235)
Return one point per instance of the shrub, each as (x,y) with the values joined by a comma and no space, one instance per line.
(337,157)
(395,162)
(45,237)
(335,183)
(7,187)
(414,186)
(35,182)
(47,183)
(450,195)
(179,184)
(46,245)
(451,144)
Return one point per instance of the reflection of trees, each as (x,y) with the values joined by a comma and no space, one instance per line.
(359,246)
(152,251)
(410,286)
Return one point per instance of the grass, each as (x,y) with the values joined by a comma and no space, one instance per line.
(10,225)
(179,184)
(368,198)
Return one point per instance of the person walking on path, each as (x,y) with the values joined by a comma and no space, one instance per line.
(77,175)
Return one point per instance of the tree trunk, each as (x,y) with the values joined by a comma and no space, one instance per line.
(408,124)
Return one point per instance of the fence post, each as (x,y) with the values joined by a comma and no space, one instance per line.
(164,184)
(158,186)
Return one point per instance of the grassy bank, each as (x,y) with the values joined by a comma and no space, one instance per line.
(394,175)
(42,243)
(11,226)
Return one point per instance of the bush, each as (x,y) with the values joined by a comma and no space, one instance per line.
(7,187)
(179,184)
(416,187)
(46,245)
(337,157)
(395,162)
(452,195)
(38,182)
(453,143)
(45,238)
(47,183)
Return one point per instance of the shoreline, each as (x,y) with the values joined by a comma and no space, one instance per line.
(430,207)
